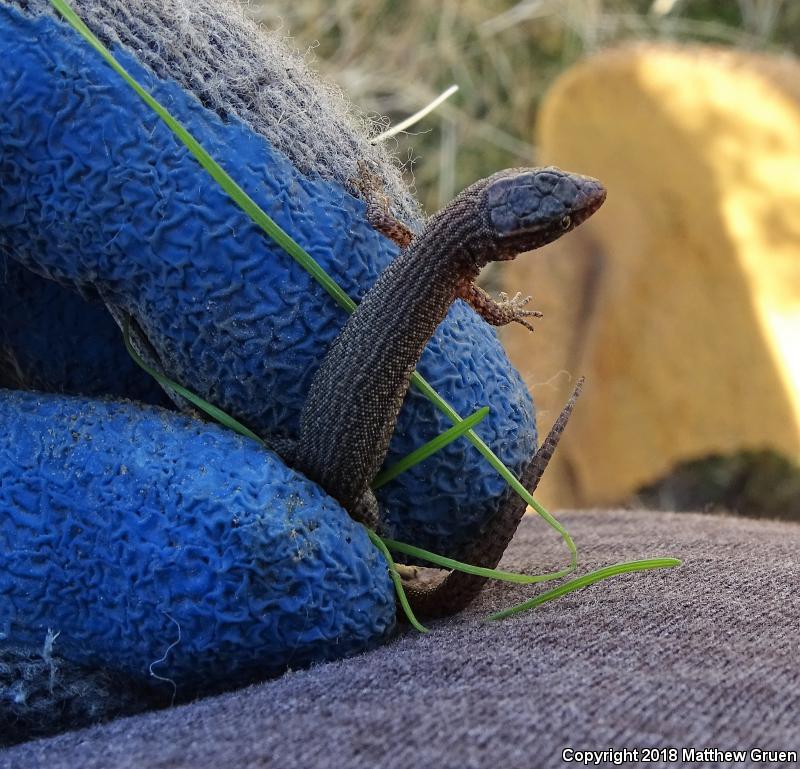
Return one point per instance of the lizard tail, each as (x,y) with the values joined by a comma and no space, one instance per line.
(456,589)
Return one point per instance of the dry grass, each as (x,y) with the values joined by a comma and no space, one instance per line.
(394,56)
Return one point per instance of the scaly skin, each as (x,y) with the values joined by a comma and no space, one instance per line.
(356,395)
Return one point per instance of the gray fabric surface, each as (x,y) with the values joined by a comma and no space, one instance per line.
(702,656)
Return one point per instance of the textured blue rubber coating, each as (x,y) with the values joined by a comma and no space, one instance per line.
(96,192)
(51,339)
(120,524)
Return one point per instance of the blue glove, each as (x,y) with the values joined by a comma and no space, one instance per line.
(54,341)
(98,197)
(98,194)
(154,543)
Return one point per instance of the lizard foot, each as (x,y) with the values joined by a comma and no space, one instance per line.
(514,306)
(501,311)
(420,577)
(407,573)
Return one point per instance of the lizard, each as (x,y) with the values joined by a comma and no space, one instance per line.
(357,392)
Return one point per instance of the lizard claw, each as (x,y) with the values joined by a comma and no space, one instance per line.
(513,306)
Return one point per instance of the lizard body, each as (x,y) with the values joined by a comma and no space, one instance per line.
(357,393)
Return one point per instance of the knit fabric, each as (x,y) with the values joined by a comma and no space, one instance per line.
(42,693)
(699,656)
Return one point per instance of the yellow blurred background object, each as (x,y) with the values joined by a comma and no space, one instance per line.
(680,300)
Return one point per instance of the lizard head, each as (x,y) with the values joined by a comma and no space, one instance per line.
(529,207)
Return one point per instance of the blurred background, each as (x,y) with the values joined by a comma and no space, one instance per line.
(680,299)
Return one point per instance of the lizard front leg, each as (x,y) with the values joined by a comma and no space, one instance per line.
(498,313)
(378,213)
(381,220)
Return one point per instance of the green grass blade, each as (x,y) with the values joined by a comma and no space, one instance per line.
(398,583)
(450,563)
(425,388)
(209,408)
(257,215)
(587,579)
(234,191)
(431,447)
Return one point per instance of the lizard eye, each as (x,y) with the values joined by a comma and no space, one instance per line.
(566,222)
